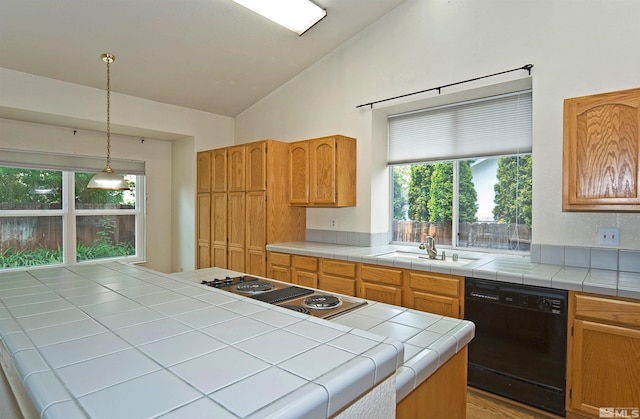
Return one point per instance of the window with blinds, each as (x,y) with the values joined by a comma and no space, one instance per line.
(489,126)
(462,173)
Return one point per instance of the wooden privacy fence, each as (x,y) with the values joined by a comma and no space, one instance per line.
(480,235)
(45,232)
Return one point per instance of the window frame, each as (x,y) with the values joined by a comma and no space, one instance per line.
(513,88)
(455,218)
(69,215)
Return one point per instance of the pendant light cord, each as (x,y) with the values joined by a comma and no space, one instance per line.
(108,113)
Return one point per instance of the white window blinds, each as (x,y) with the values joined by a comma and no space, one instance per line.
(491,126)
(53,161)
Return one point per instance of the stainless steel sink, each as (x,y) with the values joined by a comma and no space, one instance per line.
(422,257)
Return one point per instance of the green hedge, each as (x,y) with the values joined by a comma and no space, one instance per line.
(11,258)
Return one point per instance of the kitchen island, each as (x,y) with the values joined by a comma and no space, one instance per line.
(116,340)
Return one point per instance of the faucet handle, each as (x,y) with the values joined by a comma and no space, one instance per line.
(422,246)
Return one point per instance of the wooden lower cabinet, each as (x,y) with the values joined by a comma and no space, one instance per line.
(304,271)
(426,291)
(436,293)
(219,230)
(442,395)
(338,276)
(381,284)
(204,230)
(236,258)
(603,358)
(279,266)
(256,233)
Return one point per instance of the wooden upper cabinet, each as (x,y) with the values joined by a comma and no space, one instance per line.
(299,173)
(203,179)
(601,152)
(256,166)
(322,171)
(323,174)
(219,170)
(236,163)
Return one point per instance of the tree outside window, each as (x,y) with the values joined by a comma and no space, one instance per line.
(493,198)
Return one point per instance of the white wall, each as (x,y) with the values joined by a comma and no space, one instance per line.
(577,48)
(171,171)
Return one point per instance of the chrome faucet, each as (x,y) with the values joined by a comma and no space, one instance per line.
(430,246)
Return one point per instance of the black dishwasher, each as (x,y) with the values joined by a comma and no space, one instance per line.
(519,350)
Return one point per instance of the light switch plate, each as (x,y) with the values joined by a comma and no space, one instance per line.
(609,236)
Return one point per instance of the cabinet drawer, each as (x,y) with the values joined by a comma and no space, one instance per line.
(435,284)
(383,275)
(610,310)
(305,262)
(280,259)
(336,267)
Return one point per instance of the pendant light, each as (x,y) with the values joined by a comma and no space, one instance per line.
(108,179)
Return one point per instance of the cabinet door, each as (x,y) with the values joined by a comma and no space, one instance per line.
(236,214)
(605,371)
(219,229)
(601,152)
(256,262)
(236,259)
(436,304)
(256,166)
(299,173)
(322,173)
(219,170)
(305,271)
(204,228)
(305,279)
(279,266)
(236,163)
(204,172)
(381,293)
(279,273)
(256,230)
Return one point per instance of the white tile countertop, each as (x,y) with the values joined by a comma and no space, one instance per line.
(114,340)
(596,270)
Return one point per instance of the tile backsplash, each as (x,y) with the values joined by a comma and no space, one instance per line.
(350,238)
(587,257)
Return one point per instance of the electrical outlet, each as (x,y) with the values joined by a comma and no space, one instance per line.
(333,224)
(609,236)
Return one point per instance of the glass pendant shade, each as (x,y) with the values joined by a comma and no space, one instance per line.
(108,179)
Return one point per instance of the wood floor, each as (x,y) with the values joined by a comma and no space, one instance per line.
(481,405)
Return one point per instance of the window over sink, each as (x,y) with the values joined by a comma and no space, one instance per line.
(461,173)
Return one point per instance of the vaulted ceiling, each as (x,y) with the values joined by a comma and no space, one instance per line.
(211,55)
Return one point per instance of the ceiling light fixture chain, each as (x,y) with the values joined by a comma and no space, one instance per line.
(108,179)
(108,58)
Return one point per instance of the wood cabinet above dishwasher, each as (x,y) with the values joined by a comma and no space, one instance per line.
(601,152)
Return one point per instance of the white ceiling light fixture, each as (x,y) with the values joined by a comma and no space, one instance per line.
(108,179)
(296,15)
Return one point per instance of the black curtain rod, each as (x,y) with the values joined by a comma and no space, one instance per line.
(527,67)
